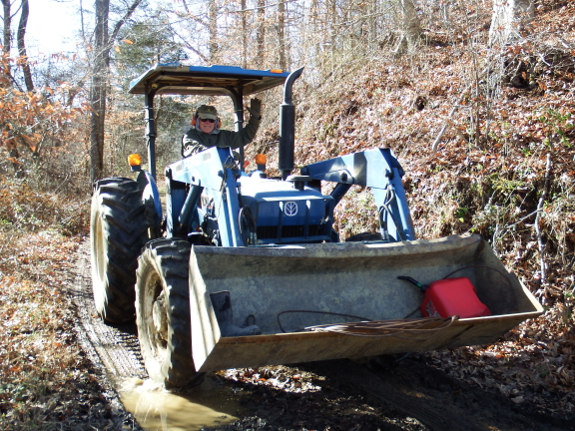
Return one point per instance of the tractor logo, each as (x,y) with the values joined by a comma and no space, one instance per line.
(290,209)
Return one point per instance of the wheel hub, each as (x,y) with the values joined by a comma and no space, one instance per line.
(160,317)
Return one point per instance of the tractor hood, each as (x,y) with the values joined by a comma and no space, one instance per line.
(175,78)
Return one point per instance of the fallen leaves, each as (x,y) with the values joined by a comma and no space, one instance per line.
(278,377)
(485,181)
(46,381)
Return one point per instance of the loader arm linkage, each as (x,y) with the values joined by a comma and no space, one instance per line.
(379,170)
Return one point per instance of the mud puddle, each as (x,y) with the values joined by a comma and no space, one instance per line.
(209,405)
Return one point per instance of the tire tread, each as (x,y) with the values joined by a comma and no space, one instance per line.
(124,230)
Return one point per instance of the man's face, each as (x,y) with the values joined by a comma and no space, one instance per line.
(207,125)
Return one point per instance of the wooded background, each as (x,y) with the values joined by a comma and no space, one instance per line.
(118,40)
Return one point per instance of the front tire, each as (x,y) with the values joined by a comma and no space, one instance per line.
(163,313)
(118,231)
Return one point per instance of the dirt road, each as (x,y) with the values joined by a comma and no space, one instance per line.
(381,394)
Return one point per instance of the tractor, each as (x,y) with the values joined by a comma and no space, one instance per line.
(234,268)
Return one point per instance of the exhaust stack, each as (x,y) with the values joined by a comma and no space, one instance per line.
(287,127)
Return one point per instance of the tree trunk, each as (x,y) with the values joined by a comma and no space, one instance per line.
(98,89)
(372,25)
(261,33)
(245,48)
(22,45)
(332,32)
(508,20)
(82,26)
(213,30)
(7,21)
(7,34)
(409,27)
(281,35)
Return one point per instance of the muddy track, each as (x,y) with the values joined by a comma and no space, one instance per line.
(115,350)
(436,400)
(402,395)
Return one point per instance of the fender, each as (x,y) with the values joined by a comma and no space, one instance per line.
(151,199)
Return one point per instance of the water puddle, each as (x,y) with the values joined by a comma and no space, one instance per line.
(155,409)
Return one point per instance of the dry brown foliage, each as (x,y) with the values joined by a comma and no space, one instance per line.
(46,380)
(43,133)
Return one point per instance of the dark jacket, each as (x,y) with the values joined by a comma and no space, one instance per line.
(195,141)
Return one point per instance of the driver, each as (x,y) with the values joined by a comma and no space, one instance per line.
(206,133)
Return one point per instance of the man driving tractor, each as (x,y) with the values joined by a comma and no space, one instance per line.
(206,132)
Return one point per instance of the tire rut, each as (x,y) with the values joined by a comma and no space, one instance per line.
(438,401)
(115,350)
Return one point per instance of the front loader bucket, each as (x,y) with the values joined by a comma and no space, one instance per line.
(322,287)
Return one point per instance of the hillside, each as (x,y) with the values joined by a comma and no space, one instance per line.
(503,168)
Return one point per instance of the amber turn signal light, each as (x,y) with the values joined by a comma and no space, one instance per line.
(261,159)
(135,162)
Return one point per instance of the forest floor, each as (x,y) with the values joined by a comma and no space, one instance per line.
(67,371)
(384,393)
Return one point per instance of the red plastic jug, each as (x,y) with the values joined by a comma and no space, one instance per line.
(450,297)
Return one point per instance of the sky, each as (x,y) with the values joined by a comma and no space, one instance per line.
(52,25)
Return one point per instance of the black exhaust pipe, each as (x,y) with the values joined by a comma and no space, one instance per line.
(287,127)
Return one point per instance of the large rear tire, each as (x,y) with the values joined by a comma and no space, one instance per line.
(163,313)
(118,231)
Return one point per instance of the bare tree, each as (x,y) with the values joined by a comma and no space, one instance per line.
(409,27)
(281,20)
(260,33)
(244,26)
(508,20)
(7,38)
(7,32)
(98,88)
(22,25)
(213,29)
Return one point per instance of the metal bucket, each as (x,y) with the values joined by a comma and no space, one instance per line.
(305,300)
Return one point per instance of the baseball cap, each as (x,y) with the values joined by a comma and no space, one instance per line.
(206,111)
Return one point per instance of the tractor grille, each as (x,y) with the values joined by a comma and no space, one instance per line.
(288,233)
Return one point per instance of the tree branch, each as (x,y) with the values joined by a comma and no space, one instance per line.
(190,47)
(453,110)
(122,21)
(540,204)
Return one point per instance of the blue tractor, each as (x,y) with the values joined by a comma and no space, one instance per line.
(233,268)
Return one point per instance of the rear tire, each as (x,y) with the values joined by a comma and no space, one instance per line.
(163,313)
(118,230)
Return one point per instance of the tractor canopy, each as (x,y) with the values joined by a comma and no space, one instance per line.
(175,78)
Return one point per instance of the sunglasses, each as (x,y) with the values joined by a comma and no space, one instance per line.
(209,120)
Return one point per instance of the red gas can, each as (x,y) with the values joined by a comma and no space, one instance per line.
(451,297)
